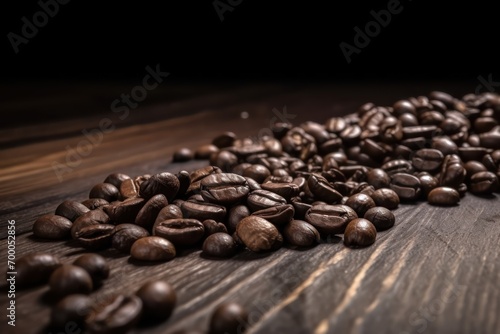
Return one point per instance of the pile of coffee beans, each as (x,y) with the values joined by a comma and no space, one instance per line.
(302,185)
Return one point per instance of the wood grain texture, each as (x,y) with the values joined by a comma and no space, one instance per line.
(436,271)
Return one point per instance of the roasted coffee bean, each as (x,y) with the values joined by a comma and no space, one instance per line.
(406,186)
(300,233)
(158,300)
(335,125)
(170,211)
(386,197)
(183,154)
(404,107)
(153,248)
(71,210)
(452,172)
(203,152)
(228,318)
(236,214)
(105,191)
(118,315)
(443,196)
(95,203)
(69,279)
(126,211)
(427,159)
(330,219)
(148,213)
(35,268)
(52,227)
(124,236)
(95,265)
(285,190)
(491,139)
(407,120)
(71,309)
(257,172)
(351,134)
(93,217)
(95,237)
(372,149)
(184,182)
(224,188)
(322,190)
(224,140)
(472,167)
(359,232)
(397,166)
(483,183)
(203,210)
(278,215)
(426,131)
(252,184)
(360,203)
(162,183)
(378,178)
(116,179)
(224,159)
(129,188)
(219,245)
(181,232)
(382,218)
(427,183)
(211,227)
(263,199)
(259,234)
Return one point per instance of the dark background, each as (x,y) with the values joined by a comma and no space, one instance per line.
(258,40)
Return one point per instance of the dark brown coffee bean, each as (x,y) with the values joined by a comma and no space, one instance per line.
(105,191)
(129,188)
(52,227)
(95,237)
(224,188)
(183,154)
(484,183)
(300,233)
(153,248)
(472,153)
(278,215)
(378,178)
(351,134)
(285,190)
(484,124)
(71,210)
(386,197)
(95,203)
(181,232)
(406,186)
(330,219)
(359,232)
(263,199)
(93,217)
(95,265)
(259,234)
(224,140)
(71,309)
(403,107)
(491,139)
(219,245)
(427,159)
(224,159)
(228,318)
(116,179)
(202,210)
(257,172)
(184,182)
(162,183)
(322,190)
(427,183)
(407,120)
(126,211)
(118,315)
(443,196)
(203,152)
(472,167)
(382,218)
(426,131)
(360,203)
(335,125)
(170,211)
(236,214)
(397,166)
(452,172)
(35,268)
(211,227)
(445,98)
(69,279)
(124,236)
(147,215)
(158,300)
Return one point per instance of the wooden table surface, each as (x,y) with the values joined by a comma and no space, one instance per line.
(436,271)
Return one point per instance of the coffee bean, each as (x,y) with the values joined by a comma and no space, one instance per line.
(184,182)
(211,227)
(427,183)
(70,279)
(382,218)
(71,210)
(95,265)
(452,172)
(335,125)
(322,190)
(181,232)
(286,190)
(403,107)
(360,203)
(158,300)
(224,140)
(426,131)
(300,233)
(386,197)
(443,196)
(95,237)
(149,212)
(183,154)
(278,215)
(263,199)
(105,191)
(95,203)
(93,217)
(219,245)
(202,210)
(259,234)
(397,166)
(52,227)
(129,188)
(330,219)
(124,236)
(224,188)
(228,318)
(162,183)
(118,315)
(204,151)
(427,159)
(169,212)
(152,248)
(491,139)
(236,214)
(116,179)
(126,211)
(378,178)
(71,309)
(483,183)
(406,186)
(359,232)
(224,159)
(35,268)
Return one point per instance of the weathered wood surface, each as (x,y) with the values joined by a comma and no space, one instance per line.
(436,271)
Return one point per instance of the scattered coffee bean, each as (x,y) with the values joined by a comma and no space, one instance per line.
(152,248)
(158,300)
(182,154)
(219,245)
(71,210)
(95,265)
(301,233)
(483,183)
(224,188)
(330,219)
(124,236)
(71,309)
(443,196)
(181,232)
(406,186)
(259,234)
(52,227)
(163,183)
(359,232)
(70,279)
(211,227)
(93,217)
(360,203)
(95,203)
(35,268)
(95,237)
(105,191)
(118,315)
(386,197)
(382,218)
(149,212)
(228,318)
